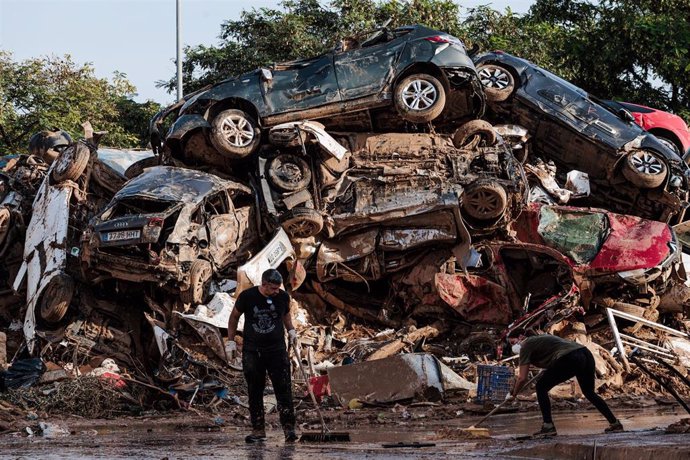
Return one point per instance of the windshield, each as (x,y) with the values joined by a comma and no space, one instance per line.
(577,234)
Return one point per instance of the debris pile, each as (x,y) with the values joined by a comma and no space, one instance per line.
(420,225)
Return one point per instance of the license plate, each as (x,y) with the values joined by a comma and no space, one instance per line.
(122,235)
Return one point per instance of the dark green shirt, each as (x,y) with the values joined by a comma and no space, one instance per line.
(544,350)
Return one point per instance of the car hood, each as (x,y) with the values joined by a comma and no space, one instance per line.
(633,243)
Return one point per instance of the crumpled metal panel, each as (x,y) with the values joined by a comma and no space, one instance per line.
(475,298)
(633,243)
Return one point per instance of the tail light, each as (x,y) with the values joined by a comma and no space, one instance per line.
(155,222)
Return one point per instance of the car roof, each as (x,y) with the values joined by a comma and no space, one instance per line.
(168,183)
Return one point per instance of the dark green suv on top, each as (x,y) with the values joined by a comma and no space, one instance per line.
(425,74)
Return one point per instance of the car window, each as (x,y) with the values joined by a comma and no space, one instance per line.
(577,234)
(217,204)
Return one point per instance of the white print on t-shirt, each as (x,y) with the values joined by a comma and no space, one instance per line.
(264,320)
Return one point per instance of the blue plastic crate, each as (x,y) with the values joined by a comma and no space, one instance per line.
(493,382)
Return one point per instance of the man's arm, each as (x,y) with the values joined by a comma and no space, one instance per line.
(521,380)
(232,323)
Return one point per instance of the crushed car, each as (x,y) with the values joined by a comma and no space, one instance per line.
(173,227)
(379,177)
(629,169)
(423,73)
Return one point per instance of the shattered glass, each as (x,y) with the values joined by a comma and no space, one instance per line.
(580,235)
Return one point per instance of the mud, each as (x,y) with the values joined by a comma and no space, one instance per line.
(182,437)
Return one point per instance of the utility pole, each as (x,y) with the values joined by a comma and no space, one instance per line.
(179,52)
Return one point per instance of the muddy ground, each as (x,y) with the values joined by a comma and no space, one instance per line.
(184,436)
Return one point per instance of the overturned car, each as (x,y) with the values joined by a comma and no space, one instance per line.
(173,227)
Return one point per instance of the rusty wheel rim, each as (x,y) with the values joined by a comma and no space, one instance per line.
(290,172)
(200,285)
(484,202)
(302,228)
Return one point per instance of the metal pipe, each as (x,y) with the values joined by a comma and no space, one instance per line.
(617,337)
(179,49)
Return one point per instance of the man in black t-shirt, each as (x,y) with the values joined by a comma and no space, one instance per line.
(562,359)
(266,310)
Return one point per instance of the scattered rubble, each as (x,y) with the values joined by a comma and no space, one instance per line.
(405,245)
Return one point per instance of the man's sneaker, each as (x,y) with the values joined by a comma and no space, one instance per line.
(256,436)
(547,430)
(290,436)
(615,427)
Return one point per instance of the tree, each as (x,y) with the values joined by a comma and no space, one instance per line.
(301,28)
(55,92)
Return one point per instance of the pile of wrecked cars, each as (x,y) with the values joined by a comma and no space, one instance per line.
(396,181)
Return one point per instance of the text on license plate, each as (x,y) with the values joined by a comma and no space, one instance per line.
(122,235)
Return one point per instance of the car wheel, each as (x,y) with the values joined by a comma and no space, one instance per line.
(5,223)
(644,169)
(302,222)
(288,173)
(479,346)
(71,163)
(485,201)
(497,81)
(420,98)
(474,132)
(235,134)
(56,298)
(669,143)
(200,274)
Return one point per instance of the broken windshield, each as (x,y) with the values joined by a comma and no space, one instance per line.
(578,234)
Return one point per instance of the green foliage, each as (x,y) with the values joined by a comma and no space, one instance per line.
(634,50)
(55,92)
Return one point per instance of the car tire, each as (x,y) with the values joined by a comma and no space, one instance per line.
(470,131)
(485,201)
(56,298)
(644,169)
(5,224)
(497,81)
(288,173)
(200,274)
(479,346)
(235,134)
(71,163)
(302,222)
(419,98)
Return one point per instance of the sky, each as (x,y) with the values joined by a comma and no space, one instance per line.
(136,37)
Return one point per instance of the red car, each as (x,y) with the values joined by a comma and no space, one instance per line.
(670,129)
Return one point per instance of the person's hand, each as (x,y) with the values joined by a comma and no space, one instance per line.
(292,337)
(510,397)
(230,349)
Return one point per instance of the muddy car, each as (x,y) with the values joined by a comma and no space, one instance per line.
(425,74)
(566,260)
(629,169)
(385,176)
(173,227)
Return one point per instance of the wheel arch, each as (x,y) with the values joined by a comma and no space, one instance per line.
(424,67)
(233,103)
(668,134)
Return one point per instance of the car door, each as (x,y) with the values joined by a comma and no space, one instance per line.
(366,70)
(300,85)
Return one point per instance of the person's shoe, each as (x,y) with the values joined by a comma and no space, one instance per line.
(290,436)
(256,436)
(547,430)
(615,427)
